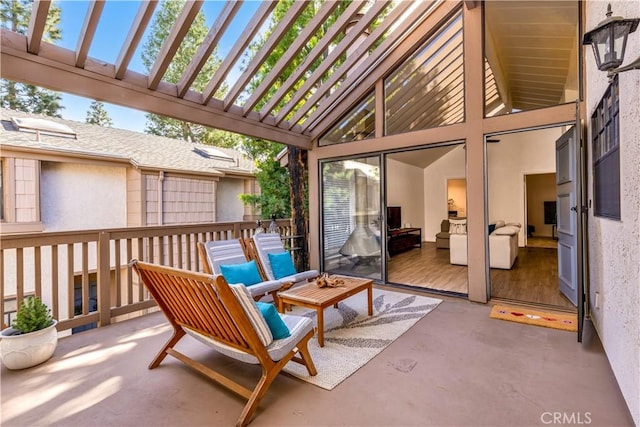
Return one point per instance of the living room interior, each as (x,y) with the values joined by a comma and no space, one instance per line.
(428,187)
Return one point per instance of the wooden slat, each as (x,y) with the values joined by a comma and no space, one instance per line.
(322,119)
(140,22)
(258,59)
(363,23)
(19,276)
(170,250)
(238,48)
(290,54)
(88,31)
(55,282)
(172,42)
(319,49)
(351,61)
(118,268)
(37,270)
(207,47)
(37,23)
(70,284)
(85,278)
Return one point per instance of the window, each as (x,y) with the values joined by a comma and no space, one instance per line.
(606,154)
(358,124)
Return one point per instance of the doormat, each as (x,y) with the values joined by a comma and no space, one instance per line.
(567,322)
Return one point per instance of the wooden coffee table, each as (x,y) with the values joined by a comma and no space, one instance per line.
(310,296)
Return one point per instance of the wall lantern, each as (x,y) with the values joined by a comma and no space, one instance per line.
(609,40)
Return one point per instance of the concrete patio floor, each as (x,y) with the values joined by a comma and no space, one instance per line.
(455,367)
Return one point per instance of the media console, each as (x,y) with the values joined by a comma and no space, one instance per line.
(403,239)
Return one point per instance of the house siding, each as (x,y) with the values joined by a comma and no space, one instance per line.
(614,246)
(82,197)
(26,190)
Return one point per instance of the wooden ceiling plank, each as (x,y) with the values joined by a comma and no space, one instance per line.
(140,22)
(209,44)
(173,41)
(286,59)
(336,53)
(417,16)
(315,53)
(88,31)
(19,65)
(294,11)
(37,22)
(238,48)
(354,57)
(438,15)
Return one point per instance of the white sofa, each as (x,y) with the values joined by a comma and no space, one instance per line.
(503,246)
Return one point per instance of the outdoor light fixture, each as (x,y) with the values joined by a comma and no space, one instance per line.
(609,40)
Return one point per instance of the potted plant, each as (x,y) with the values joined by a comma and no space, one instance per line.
(32,338)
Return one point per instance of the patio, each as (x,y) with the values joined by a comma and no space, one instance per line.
(455,367)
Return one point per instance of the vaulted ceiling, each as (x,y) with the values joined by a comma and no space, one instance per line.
(285,104)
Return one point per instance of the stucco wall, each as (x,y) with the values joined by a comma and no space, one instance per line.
(228,205)
(81,197)
(405,189)
(614,246)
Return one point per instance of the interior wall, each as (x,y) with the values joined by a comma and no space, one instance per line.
(540,188)
(405,188)
(517,155)
(457,191)
(435,176)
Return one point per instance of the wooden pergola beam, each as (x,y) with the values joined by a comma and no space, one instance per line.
(88,31)
(238,48)
(354,57)
(207,47)
(293,50)
(315,53)
(327,115)
(145,12)
(37,22)
(265,50)
(171,44)
(336,53)
(130,92)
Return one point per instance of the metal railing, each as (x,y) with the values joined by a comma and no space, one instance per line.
(83,276)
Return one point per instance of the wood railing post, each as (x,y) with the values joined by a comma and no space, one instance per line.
(104,279)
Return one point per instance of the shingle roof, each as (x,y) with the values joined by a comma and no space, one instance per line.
(142,150)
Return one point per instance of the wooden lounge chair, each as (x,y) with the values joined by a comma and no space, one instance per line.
(220,316)
(261,245)
(215,253)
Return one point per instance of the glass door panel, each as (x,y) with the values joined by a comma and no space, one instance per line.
(351,217)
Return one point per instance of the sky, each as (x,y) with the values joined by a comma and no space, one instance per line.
(115,22)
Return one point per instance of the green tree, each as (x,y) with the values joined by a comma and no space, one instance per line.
(14,15)
(160,29)
(97,115)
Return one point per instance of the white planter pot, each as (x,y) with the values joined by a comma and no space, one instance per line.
(27,350)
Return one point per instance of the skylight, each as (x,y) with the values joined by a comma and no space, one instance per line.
(213,153)
(41,125)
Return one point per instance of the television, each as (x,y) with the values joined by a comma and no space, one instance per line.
(394,217)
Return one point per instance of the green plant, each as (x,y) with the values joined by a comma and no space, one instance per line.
(32,316)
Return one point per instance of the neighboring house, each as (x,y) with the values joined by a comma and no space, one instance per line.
(63,175)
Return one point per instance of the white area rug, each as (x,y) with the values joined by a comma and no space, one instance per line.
(352,338)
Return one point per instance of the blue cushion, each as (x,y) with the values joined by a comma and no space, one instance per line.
(246,273)
(282,265)
(276,325)
(492,227)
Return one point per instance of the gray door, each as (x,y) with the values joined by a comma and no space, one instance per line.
(567,214)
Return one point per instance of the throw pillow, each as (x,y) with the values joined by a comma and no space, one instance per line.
(282,265)
(246,273)
(276,325)
(253,313)
(457,226)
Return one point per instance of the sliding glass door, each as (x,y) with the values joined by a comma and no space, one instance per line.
(351,217)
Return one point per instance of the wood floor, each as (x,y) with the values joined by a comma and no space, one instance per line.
(428,267)
(533,278)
